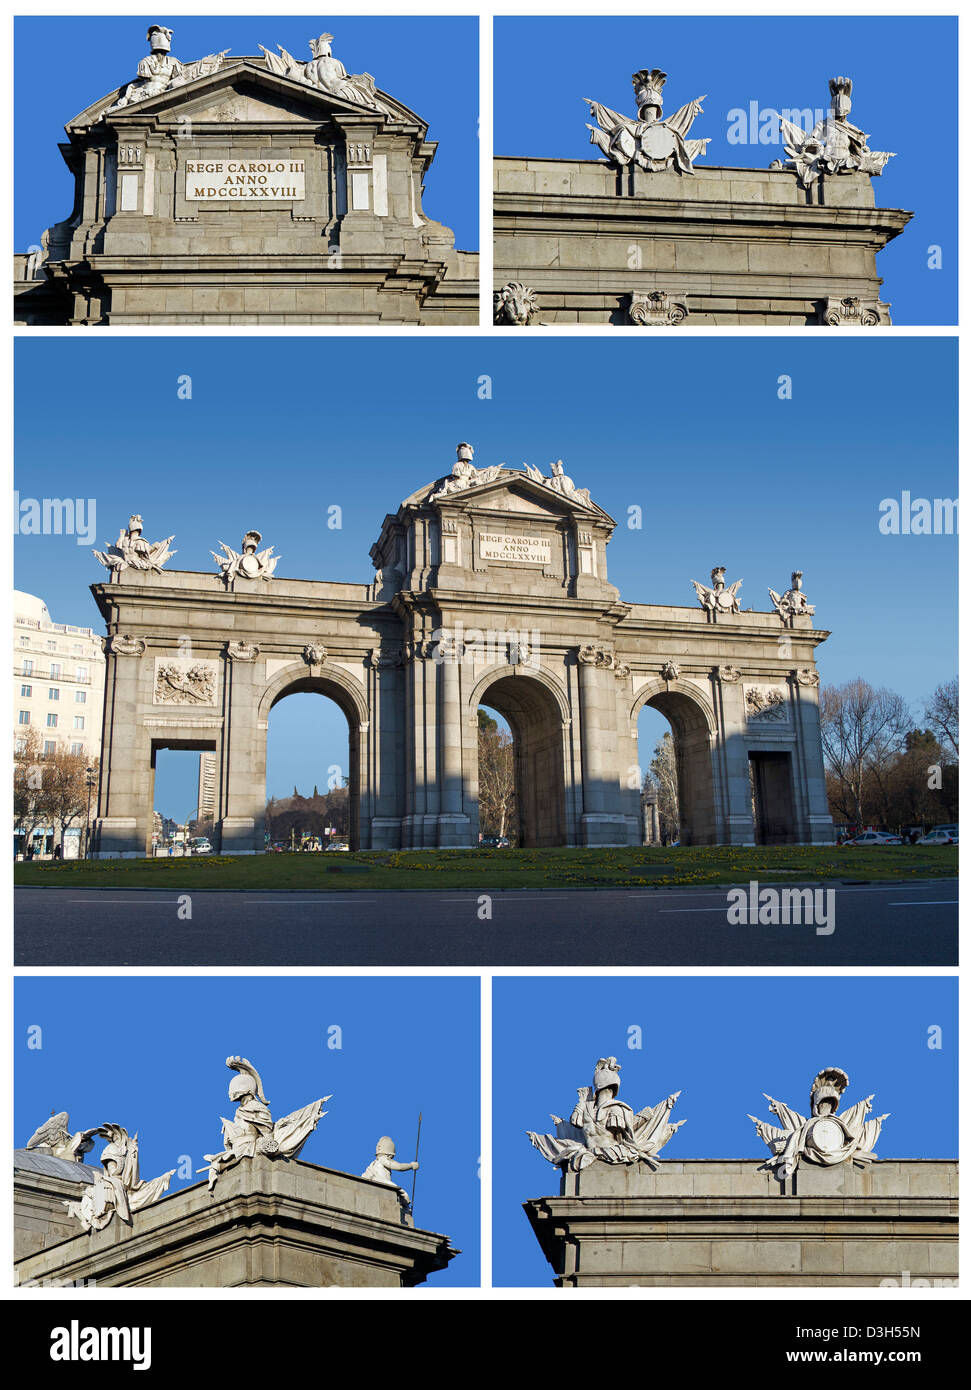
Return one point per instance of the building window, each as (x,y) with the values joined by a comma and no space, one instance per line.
(77,748)
(25,641)
(28,666)
(19,746)
(23,716)
(55,670)
(52,721)
(78,721)
(82,673)
(53,693)
(80,697)
(52,646)
(25,691)
(50,747)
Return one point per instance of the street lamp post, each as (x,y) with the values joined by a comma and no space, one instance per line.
(89,778)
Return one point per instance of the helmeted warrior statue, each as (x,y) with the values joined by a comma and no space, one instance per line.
(834,146)
(793,603)
(133,551)
(603,1127)
(161,70)
(825,1138)
(252,1129)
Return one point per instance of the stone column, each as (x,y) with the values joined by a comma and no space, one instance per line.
(123,825)
(241,802)
(603,821)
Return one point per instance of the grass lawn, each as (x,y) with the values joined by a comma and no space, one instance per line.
(494,870)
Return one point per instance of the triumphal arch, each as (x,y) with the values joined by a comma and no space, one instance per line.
(490,587)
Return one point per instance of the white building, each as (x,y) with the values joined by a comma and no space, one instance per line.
(58,680)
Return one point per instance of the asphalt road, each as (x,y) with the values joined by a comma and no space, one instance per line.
(875,924)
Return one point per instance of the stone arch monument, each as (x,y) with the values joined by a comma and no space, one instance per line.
(491,587)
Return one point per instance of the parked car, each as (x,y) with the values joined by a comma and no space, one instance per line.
(337,845)
(871,838)
(199,844)
(494,842)
(940,835)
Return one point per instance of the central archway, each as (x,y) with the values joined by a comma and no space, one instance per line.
(339,688)
(536,720)
(691,726)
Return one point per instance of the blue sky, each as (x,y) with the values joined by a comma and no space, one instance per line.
(152,1058)
(429,63)
(691,430)
(760,1034)
(904,73)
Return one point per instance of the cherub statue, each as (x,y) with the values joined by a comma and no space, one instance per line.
(719,598)
(384,1164)
(252,1129)
(119,1191)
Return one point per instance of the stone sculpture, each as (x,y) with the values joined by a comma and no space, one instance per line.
(315,653)
(465,474)
(833,146)
(853,312)
(793,602)
(252,1129)
(328,74)
(603,1127)
(719,598)
(248,563)
(133,551)
(825,1138)
(54,1137)
(765,705)
(185,682)
(657,309)
(118,1191)
(384,1164)
(515,304)
(560,482)
(649,142)
(161,70)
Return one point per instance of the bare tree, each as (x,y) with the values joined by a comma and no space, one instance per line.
(497,778)
(662,775)
(861,729)
(67,793)
(941,714)
(30,808)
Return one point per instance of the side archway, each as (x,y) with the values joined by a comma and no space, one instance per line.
(691,717)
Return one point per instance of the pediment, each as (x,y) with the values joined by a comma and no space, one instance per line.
(518,494)
(242,91)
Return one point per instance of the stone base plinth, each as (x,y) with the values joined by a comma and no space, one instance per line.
(268,1223)
(726,1223)
(728,246)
